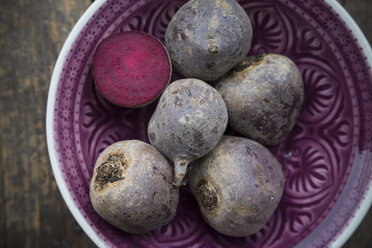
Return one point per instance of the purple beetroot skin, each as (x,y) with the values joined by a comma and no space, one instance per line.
(238,186)
(131,69)
(132,187)
(263,96)
(206,38)
(188,122)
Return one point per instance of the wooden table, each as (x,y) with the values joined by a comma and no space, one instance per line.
(32,211)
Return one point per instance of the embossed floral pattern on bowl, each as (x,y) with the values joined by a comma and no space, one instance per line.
(326,158)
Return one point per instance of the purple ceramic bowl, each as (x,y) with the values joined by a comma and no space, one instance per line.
(327,157)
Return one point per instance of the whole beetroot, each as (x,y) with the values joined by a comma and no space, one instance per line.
(238,186)
(188,122)
(263,96)
(206,38)
(132,187)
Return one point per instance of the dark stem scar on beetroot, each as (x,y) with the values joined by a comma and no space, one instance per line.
(111,170)
(249,61)
(131,69)
(208,196)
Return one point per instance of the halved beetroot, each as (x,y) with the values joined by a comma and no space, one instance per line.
(131,68)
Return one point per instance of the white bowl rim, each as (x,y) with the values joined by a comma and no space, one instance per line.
(366,203)
(359,214)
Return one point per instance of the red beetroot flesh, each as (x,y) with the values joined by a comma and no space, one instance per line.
(131,68)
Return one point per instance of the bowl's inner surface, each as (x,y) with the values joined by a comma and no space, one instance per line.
(317,156)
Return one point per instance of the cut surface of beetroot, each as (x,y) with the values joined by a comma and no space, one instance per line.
(131,68)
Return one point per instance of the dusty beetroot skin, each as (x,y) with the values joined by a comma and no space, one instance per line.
(238,186)
(188,122)
(131,68)
(263,96)
(207,38)
(132,187)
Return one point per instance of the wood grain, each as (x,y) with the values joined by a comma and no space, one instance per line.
(361,11)
(32,211)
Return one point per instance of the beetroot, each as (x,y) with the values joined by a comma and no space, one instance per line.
(188,122)
(206,38)
(131,68)
(263,96)
(238,186)
(132,187)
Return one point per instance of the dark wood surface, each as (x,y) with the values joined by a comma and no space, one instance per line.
(32,211)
